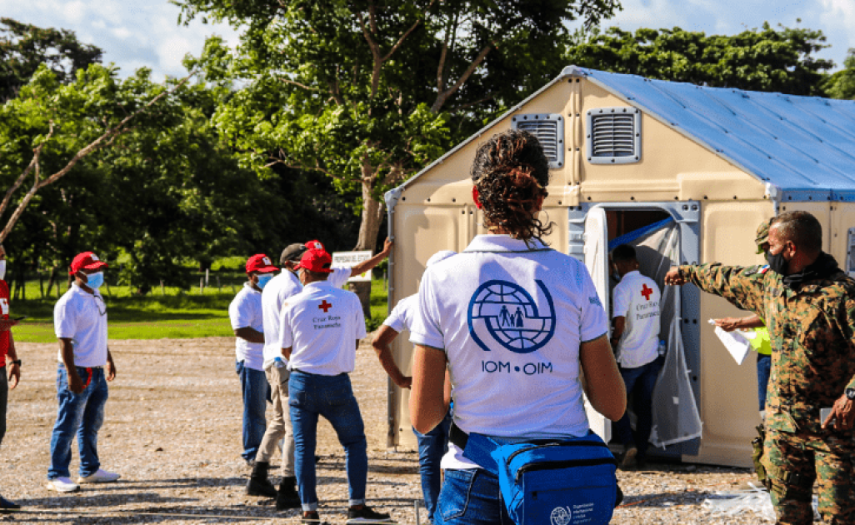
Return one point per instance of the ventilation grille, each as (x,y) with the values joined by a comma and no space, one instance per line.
(614,135)
(549,130)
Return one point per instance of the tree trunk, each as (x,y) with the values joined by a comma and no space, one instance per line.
(369,227)
(372,217)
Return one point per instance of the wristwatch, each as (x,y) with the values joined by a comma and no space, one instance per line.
(17,362)
(850,393)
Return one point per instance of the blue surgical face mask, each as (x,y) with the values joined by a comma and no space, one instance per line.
(95,280)
(263,279)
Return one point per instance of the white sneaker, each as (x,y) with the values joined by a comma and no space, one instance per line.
(102,476)
(62,485)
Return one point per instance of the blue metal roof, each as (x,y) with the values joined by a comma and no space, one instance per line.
(804,147)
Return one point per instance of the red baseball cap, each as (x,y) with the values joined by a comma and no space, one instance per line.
(315,245)
(86,261)
(317,261)
(260,263)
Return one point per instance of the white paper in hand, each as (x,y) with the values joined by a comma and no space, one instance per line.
(735,342)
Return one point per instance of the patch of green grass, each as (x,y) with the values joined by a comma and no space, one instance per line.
(173,314)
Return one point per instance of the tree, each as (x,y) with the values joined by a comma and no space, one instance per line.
(24,47)
(842,83)
(763,59)
(369,91)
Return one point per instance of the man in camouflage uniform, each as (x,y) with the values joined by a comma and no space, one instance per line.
(809,306)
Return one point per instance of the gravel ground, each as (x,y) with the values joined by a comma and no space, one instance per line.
(173,432)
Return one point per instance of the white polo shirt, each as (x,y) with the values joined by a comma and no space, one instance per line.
(403,314)
(338,277)
(273,297)
(245,311)
(637,297)
(321,325)
(510,319)
(82,317)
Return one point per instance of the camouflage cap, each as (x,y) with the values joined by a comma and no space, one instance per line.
(762,235)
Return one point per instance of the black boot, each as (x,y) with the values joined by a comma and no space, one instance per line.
(287,497)
(258,484)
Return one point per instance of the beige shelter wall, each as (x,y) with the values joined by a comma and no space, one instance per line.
(728,391)
(672,166)
(842,218)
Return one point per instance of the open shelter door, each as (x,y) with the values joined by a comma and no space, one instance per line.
(596,239)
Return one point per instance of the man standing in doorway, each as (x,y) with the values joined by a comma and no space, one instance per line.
(635,310)
(248,325)
(274,295)
(321,328)
(808,303)
(85,366)
(9,362)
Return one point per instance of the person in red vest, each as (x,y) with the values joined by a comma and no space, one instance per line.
(11,363)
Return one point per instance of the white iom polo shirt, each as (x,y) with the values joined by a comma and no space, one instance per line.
(321,324)
(245,311)
(273,297)
(637,297)
(510,319)
(82,317)
(403,314)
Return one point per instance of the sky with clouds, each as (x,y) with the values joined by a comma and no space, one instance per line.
(136,33)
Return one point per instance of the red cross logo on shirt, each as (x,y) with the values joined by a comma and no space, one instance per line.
(645,291)
(324,306)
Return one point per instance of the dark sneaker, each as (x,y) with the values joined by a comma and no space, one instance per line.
(311,519)
(366,516)
(8,506)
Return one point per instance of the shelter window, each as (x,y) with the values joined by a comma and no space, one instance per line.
(614,135)
(549,130)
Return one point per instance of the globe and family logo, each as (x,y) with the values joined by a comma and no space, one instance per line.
(505,313)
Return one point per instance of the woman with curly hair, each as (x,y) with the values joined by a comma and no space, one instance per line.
(519,327)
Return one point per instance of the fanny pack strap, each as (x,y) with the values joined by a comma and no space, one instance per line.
(476,447)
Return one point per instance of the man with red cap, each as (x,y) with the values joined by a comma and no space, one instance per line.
(340,274)
(85,366)
(9,362)
(320,330)
(247,320)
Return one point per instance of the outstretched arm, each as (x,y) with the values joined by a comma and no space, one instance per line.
(741,286)
(369,264)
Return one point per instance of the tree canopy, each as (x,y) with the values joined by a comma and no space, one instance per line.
(370,91)
(766,59)
(24,47)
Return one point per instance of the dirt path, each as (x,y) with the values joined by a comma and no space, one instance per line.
(173,431)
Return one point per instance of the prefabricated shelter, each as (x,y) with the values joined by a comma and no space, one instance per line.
(632,157)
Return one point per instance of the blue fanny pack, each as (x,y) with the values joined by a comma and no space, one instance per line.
(549,482)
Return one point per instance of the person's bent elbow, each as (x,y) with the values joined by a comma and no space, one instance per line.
(604,385)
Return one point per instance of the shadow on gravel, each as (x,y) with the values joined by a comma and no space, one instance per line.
(97,500)
(150,515)
(394,469)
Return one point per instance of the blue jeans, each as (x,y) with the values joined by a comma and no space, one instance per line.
(470,497)
(432,446)
(764,370)
(311,396)
(256,390)
(639,382)
(81,414)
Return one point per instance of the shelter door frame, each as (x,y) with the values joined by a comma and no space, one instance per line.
(687,216)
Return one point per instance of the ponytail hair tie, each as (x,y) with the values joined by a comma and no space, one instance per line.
(476,197)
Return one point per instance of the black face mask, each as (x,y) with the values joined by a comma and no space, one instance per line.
(777,263)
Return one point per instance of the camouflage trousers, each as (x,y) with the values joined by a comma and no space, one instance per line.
(794,462)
